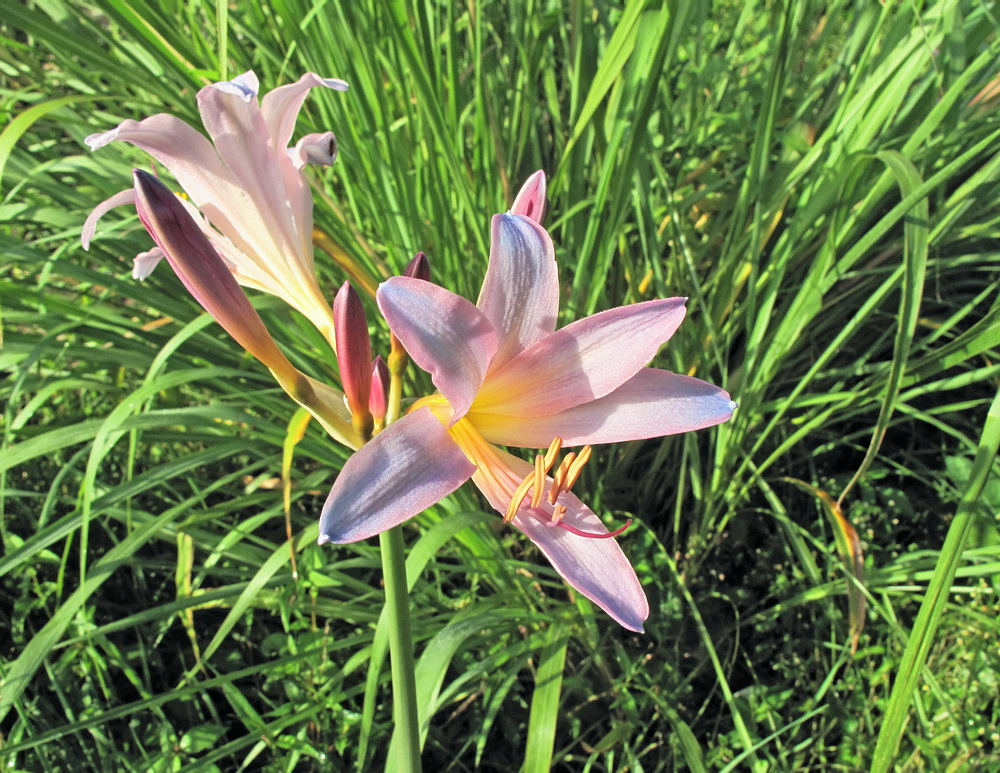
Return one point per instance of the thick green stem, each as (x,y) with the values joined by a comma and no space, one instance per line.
(404,687)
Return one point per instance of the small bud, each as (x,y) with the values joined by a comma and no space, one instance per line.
(354,355)
(203,271)
(378,398)
(418,268)
(530,201)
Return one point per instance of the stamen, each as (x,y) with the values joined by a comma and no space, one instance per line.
(559,478)
(518,498)
(538,481)
(577,467)
(590,534)
(557,514)
(550,455)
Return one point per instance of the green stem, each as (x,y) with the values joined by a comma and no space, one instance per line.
(404,686)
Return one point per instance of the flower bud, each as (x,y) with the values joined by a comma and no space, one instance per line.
(202,270)
(378,398)
(354,355)
(530,201)
(418,268)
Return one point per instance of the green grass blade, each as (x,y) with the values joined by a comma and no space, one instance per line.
(545,700)
(938,590)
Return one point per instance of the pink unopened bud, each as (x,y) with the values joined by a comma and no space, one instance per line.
(354,355)
(418,268)
(203,272)
(530,201)
(378,398)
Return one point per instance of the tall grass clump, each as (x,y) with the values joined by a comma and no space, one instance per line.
(821,179)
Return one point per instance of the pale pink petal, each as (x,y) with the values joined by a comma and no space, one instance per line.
(405,469)
(597,568)
(520,294)
(582,362)
(145,262)
(234,122)
(281,106)
(245,86)
(120,199)
(444,334)
(273,204)
(652,403)
(319,149)
(187,153)
(530,200)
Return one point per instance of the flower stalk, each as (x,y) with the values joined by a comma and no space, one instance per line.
(404,683)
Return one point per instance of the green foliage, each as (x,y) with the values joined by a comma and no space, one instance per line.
(820,178)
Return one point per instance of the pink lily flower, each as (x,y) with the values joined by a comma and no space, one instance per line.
(506,376)
(249,194)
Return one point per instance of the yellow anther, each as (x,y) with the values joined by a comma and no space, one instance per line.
(518,498)
(559,478)
(563,479)
(577,467)
(550,455)
(538,481)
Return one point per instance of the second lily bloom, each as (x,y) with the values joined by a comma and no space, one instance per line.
(506,376)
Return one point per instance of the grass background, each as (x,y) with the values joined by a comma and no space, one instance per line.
(821,178)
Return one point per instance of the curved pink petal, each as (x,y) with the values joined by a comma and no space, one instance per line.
(245,86)
(520,294)
(120,199)
(280,107)
(186,152)
(444,334)
(652,403)
(597,568)
(582,362)
(530,201)
(145,262)
(405,469)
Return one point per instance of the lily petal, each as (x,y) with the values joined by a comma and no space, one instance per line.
(145,262)
(243,141)
(581,362)
(405,469)
(597,568)
(444,334)
(187,153)
(245,86)
(281,106)
(652,403)
(120,199)
(520,294)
